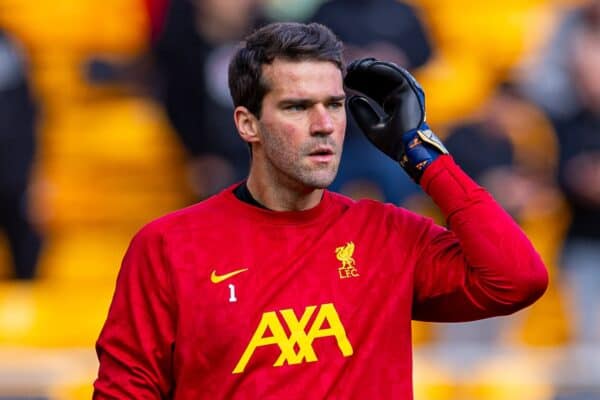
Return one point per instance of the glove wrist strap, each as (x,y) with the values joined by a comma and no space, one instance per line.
(421,148)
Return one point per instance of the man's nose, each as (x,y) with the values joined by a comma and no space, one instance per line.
(321,122)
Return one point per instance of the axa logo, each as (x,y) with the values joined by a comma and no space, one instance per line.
(296,347)
(345,254)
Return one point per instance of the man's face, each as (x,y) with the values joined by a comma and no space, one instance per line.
(302,123)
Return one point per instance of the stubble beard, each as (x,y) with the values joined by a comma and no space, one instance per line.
(300,169)
(297,168)
(318,177)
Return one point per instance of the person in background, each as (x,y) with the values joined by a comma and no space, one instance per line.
(17,153)
(579,174)
(191,55)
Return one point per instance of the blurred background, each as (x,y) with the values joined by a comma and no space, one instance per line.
(115,112)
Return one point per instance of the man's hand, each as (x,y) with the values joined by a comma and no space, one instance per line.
(401,132)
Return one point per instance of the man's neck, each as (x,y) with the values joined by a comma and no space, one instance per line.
(241,192)
(283,198)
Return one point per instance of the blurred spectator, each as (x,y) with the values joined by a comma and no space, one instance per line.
(192,55)
(290,10)
(384,29)
(579,174)
(549,81)
(388,30)
(511,149)
(493,154)
(17,148)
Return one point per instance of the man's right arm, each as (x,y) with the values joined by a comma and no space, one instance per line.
(136,344)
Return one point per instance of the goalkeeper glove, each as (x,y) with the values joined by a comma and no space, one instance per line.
(402,132)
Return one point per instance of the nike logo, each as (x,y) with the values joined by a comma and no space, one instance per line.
(214,278)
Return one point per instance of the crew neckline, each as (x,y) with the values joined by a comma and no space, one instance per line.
(265,215)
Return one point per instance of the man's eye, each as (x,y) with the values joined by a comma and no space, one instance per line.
(336,105)
(296,107)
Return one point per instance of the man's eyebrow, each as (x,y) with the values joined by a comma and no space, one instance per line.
(295,101)
(341,97)
(306,101)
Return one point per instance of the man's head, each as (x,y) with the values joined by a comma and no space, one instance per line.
(286,83)
(286,41)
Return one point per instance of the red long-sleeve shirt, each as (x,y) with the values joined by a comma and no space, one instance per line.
(224,300)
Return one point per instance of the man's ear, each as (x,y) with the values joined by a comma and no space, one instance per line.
(246,124)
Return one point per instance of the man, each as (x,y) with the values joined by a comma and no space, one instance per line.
(278,288)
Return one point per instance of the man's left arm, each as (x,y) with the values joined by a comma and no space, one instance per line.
(484,265)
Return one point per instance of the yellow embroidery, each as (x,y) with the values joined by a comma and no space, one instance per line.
(214,278)
(344,255)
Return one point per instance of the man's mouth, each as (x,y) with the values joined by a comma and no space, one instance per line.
(322,154)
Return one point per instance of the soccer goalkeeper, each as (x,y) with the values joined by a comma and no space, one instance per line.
(277,288)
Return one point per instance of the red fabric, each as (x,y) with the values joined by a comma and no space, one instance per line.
(157,12)
(503,271)
(171,333)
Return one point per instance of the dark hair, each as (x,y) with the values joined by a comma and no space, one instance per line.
(285,40)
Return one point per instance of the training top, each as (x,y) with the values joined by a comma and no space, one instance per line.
(226,300)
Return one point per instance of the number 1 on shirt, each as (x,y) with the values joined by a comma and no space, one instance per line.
(232,298)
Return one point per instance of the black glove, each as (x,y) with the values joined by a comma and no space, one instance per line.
(401,132)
